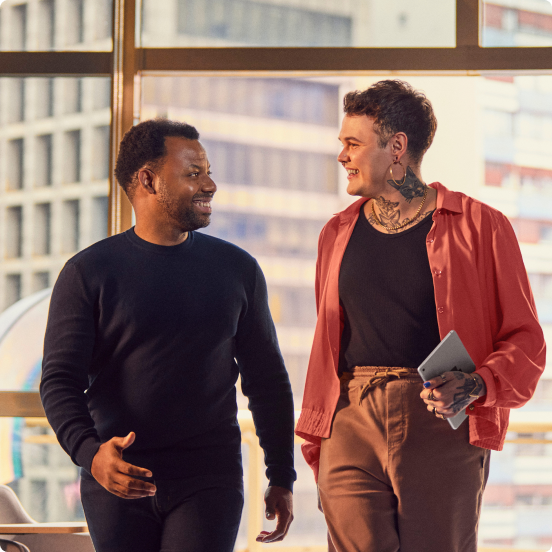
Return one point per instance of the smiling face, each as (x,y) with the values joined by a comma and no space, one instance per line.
(363,158)
(185,185)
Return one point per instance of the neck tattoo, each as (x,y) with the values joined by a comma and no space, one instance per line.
(387,208)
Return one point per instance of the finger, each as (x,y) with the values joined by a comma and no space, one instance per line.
(132,470)
(282,527)
(127,492)
(433,383)
(124,442)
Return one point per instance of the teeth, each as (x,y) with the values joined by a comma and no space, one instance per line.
(352,171)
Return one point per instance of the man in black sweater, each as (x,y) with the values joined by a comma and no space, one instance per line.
(147,333)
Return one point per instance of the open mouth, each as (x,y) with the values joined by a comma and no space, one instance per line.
(203,205)
(352,172)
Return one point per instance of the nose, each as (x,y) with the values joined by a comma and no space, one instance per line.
(208,185)
(343,157)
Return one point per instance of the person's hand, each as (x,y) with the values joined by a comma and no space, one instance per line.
(117,476)
(452,392)
(279,505)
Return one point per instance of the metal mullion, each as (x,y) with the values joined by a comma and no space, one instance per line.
(460,60)
(122,103)
(469,22)
(55,63)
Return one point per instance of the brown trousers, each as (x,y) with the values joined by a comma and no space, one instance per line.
(393,477)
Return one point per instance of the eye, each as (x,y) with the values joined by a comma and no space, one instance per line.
(209,173)
(194,174)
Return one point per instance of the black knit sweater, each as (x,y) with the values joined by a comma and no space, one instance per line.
(149,338)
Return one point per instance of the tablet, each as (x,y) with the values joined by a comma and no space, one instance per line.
(450,355)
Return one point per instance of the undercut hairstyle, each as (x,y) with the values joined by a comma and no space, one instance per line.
(395,107)
(144,146)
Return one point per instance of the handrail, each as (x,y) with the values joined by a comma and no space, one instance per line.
(27,405)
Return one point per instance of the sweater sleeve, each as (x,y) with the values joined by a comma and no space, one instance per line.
(265,383)
(68,349)
(512,371)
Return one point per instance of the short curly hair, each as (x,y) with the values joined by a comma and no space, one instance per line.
(395,107)
(144,144)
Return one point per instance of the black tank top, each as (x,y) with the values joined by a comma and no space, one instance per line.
(386,292)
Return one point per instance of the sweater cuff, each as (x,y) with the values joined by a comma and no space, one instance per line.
(86,452)
(284,480)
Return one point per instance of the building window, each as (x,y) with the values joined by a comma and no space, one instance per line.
(99,218)
(263,24)
(46,28)
(41,280)
(42,229)
(100,166)
(104,17)
(15,167)
(16,100)
(251,165)
(72,156)
(71,226)
(14,232)
(43,160)
(18,27)
(102,93)
(72,95)
(282,99)
(75,22)
(44,98)
(12,290)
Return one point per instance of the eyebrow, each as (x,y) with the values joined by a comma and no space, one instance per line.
(350,138)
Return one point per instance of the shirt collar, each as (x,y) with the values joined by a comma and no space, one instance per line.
(446,199)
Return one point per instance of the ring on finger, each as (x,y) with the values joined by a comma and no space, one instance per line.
(443,377)
(433,411)
(431,396)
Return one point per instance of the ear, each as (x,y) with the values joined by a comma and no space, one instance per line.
(146,180)
(399,145)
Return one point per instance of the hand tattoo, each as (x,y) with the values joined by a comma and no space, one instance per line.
(412,187)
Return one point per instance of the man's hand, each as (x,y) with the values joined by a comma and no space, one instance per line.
(279,504)
(452,392)
(114,474)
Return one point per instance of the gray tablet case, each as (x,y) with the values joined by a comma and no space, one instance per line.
(448,356)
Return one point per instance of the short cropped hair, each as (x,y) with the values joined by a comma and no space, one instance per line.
(144,144)
(395,107)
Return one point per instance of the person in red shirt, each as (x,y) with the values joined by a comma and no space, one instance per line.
(396,271)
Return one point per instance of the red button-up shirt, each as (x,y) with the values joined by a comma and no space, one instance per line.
(481,290)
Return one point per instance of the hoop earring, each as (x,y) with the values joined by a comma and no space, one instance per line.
(391,173)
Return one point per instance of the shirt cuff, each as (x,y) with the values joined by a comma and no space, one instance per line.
(86,452)
(489,399)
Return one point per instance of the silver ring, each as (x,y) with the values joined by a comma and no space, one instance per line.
(442,376)
(431,396)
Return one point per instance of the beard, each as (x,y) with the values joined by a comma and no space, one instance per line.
(184,216)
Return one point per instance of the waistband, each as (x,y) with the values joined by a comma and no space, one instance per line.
(378,375)
(368,371)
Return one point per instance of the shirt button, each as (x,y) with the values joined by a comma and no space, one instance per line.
(437,272)
(471,407)
(441,310)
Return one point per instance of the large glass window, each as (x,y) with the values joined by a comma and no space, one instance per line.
(517,23)
(274,161)
(56,25)
(297,23)
(53,202)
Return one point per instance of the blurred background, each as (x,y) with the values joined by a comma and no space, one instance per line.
(272,143)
